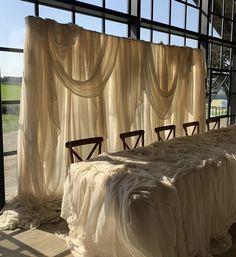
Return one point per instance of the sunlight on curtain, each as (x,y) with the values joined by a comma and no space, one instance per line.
(80,84)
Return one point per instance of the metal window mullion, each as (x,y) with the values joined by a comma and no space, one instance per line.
(36,9)
(103,19)
(234,21)
(73,16)
(152,11)
(231,101)
(200,23)
(9,49)
(209,95)
(9,153)
(170,4)
(210,84)
(134,24)
(212,16)
(229,95)
(11,102)
(185,21)
(188,4)
(2,181)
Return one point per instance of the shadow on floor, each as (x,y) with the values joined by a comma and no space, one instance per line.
(40,242)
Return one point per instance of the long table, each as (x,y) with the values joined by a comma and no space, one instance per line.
(168,199)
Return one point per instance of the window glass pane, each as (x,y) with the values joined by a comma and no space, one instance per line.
(227,29)
(220,81)
(226,57)
(219,93)
(219,107)
(116,28)
(232,110)
(192,19)
(145,34)
(10,123)
(215,55)
(10,166)
(11,76)
(191,42)
(10,88)
(176,40)
(177,14)
(161,11)
(194,2)
(121,5)
(12,22)
(11,64)
(233,89)
(224,122)
(89,22)
(94,2)
(229,9)
(146,9)
(217,26)
(160,37)
(219,103)
(218,7)
(55,14)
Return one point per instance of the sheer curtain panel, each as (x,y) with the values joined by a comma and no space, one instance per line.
(79,83)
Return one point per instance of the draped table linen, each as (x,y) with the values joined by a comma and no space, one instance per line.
(172,198)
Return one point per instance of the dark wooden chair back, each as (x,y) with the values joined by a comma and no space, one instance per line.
(139,134)
(95,141)
(170,129)
(213,123)
(192,126)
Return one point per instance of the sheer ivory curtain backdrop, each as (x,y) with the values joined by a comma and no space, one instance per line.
(79,83)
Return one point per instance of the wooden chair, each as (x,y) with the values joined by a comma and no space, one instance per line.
(168,128)
(95,141)
(193,126)
(213,123)
(137,133)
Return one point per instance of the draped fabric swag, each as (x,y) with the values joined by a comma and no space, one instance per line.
(79,83)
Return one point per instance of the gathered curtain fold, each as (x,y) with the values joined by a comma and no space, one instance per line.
(98,68)
(78,84)
(167,69)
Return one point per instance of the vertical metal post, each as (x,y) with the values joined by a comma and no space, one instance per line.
(2,181)
(73,16)
(103,19)
(134,25)
(232,98)
(152,15)
(36,9)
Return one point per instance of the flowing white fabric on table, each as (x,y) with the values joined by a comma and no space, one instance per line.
(174,198)
(79,84)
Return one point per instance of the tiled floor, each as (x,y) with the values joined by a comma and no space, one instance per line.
(43,242)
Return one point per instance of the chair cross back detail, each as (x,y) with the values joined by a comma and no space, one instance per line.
(194,125)
(215,121)
(95,141)
(137,133)
(170,128)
